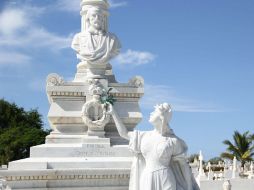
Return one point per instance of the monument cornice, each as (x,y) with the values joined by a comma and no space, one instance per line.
(82,94)
(107,173)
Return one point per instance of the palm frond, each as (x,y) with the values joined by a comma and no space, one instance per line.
(251,137)
(238,140)
(241,147)
(246,155)
(252,148)
(227,142)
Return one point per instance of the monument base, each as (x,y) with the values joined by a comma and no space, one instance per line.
(93,166)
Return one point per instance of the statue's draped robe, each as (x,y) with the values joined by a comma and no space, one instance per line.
(96,48)
(178,174)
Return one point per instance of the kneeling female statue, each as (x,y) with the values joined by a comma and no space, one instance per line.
(160,156)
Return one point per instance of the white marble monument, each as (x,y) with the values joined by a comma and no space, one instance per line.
(88,146)
(84,150)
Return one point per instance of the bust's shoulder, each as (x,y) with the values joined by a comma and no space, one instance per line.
(112,35)
(76,38)
(77,35)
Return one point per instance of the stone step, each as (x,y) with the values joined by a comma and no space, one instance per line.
(78,179)
(79,150)
(71,163)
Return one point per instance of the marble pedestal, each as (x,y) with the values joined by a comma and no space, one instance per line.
(73,158)
(67,99)
(84,150)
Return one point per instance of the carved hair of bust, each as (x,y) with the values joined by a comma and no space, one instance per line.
(101,18)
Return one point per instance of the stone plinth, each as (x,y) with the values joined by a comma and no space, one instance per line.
(66,102)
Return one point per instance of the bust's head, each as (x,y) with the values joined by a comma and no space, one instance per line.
(161,117)
(95,19)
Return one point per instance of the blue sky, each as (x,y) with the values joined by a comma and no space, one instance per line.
(197,55)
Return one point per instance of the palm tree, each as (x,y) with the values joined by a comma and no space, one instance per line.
(242,148)
(252,138)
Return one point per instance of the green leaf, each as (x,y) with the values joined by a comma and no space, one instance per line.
(110,89)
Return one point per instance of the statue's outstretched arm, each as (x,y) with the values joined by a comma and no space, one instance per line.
(122,130)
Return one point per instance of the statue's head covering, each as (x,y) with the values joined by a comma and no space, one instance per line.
(94,2)
(101,5)
(165,113)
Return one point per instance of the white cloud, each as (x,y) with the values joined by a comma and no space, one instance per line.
(115,3)
(25,33)
(74,5)
(12,20)
(13,59)
(19,33)
(135,57)
(36,38)
(39,37)
(155,94)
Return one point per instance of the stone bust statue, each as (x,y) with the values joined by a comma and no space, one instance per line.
(95,45)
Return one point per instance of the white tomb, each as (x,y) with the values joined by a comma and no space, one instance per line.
(201,173)
(84,150)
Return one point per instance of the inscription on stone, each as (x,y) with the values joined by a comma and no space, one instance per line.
(96,146)
(93,150)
